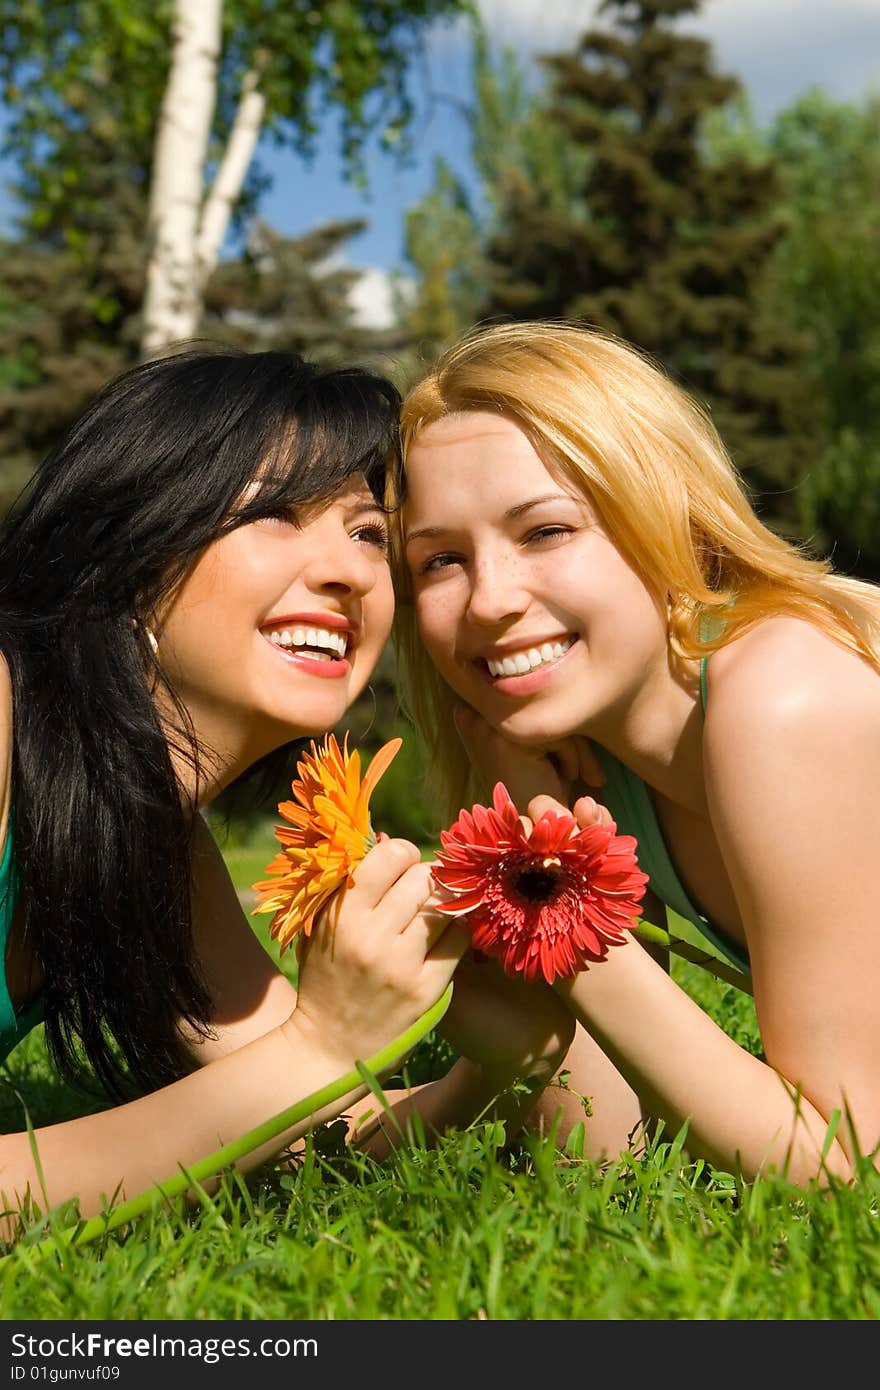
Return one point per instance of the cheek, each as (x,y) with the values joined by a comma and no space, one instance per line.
(382,604)
(437,622)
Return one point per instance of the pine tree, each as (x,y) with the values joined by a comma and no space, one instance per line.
(667,243)
(293,294)
(70,317)
(70,293)
(513,148)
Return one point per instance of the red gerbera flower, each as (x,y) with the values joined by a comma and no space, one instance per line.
(547,902)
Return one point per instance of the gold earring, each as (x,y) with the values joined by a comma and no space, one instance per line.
(148,633)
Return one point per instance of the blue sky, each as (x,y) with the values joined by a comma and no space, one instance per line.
(777,47)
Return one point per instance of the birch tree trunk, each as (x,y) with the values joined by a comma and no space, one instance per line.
(173,293)
(186,227)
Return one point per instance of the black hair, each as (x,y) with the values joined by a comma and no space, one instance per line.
(114,518)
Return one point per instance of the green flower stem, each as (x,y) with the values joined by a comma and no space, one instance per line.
(86,1231)
(656,936)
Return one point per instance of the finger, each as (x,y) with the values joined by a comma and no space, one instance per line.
(407,897)
(588,811)
(381,867)
(540,804)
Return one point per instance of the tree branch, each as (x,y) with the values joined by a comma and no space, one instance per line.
(230,176)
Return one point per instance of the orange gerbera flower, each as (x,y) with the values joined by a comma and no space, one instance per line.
(329,834)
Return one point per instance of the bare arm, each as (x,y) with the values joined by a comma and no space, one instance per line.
(792,768)
(366,978)
(505,1033)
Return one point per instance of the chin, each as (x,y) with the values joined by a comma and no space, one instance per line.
(532,735)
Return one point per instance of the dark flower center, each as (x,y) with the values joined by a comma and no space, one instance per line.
(538,883)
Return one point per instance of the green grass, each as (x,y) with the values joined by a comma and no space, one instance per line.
(474,1228)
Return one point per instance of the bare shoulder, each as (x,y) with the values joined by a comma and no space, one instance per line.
(787,703)
(785,671)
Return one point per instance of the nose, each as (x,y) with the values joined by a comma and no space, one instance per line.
(497,592)
(341,564)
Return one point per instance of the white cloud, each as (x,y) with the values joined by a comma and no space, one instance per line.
(538,25)
(777,48)
(371,299)
(781,47)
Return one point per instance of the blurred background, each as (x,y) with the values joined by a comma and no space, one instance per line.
(360,180)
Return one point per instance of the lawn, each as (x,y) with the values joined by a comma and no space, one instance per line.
(477,1227)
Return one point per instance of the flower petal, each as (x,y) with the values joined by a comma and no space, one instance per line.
(546,902)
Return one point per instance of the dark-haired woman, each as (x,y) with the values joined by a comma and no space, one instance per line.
(152,581)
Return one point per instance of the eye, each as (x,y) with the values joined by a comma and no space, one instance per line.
(548,533)
(435,563)
(373,533)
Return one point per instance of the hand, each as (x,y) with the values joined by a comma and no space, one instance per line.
(506,1024)
(378,957)
(586,811)
(527,772)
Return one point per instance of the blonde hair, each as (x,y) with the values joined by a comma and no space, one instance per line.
(651,464)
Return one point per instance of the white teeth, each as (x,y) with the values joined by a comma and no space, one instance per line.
(527,660)
(322,637)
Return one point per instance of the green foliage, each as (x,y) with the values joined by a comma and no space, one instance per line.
(398,803)
(58,56)
(840,502)
(514,149)
(666,243)
(443,246)
(72,320)
(83,82)
(290,294)
(476,1228)
(823,280)
(481,1226)
(828,281)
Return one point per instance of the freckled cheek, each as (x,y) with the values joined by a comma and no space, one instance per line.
(438,622)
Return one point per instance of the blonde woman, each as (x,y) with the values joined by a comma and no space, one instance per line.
(586,595)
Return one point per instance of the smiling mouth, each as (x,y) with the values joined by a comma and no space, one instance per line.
(314,643)
(528,659)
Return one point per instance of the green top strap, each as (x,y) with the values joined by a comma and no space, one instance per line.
(13,1026)
(629,802)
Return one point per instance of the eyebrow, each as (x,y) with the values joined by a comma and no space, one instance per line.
(512,514)
(358,508)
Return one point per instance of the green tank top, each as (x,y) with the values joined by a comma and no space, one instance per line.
(13,1026)
(627,798)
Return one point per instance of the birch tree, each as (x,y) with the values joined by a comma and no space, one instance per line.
(186,230)
(189,88)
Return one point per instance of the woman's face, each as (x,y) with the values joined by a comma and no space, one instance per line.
(278,627)
(529,611)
